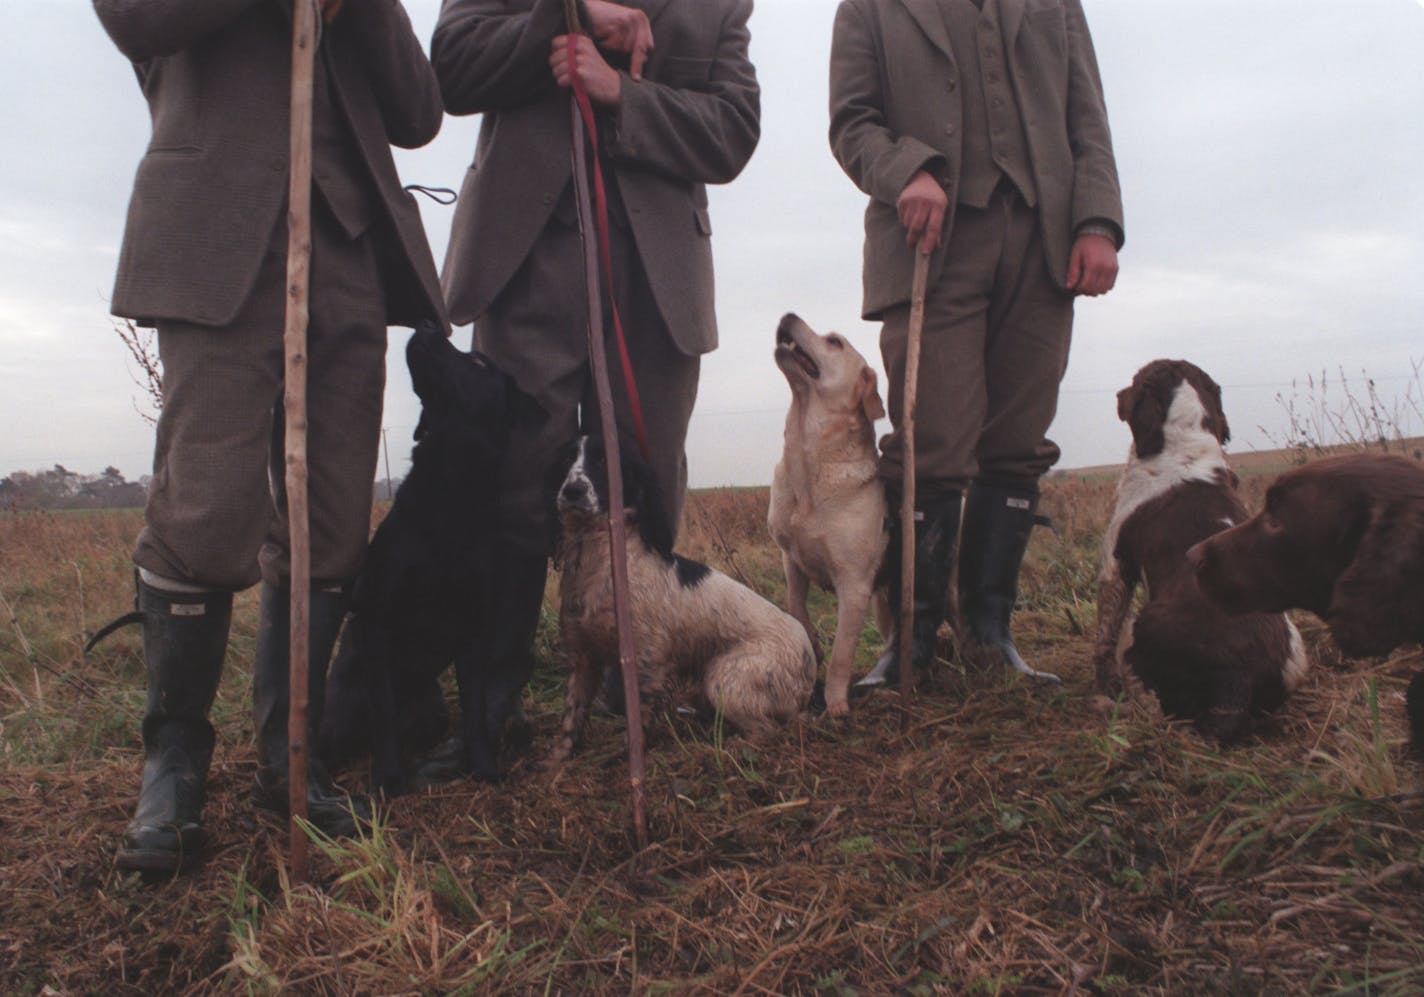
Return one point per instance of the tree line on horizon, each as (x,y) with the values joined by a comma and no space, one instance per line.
(61,488)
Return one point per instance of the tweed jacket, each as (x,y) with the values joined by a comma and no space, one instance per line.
(213,183)
(895,110)
(692,120)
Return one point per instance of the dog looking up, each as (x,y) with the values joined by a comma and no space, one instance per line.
(1217,670)
(424,596)
(827,511)
(753,663)
(1344,538)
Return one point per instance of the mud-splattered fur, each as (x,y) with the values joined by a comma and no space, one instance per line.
(752,662)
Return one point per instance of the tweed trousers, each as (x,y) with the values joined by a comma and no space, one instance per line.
(537,331)
(216,513)
(994,349)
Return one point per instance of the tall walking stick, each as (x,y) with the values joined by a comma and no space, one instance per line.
(593,230)
(907,488)
(304,21)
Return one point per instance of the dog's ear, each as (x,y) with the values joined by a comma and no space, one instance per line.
(867,391)
(1145,412)
(1384,575)
(642,494)
(1210,394)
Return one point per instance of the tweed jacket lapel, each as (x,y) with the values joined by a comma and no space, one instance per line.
(930,18)
(1010,17)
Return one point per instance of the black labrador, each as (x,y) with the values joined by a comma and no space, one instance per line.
(424,595)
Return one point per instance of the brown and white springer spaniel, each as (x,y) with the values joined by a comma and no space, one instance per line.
(1344,538)
(1219,670)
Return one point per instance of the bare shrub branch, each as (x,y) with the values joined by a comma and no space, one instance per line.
(143,351)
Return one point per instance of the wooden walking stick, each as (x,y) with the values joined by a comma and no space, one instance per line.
(598,360)
(304,27)
(907,488)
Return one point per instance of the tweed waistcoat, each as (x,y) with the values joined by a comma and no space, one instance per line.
(337,171)
(994,145)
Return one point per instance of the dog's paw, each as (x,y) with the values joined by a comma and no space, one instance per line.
(837,707)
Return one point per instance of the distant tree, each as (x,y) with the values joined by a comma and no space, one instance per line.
(61,488)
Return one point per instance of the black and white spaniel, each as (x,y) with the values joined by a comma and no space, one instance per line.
(1219,670)
(752,662)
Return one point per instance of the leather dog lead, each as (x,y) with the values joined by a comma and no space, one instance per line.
(584,110)
(907,488)
(584,132)
(304,35)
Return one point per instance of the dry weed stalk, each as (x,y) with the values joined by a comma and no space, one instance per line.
(147,371)
(1319,423)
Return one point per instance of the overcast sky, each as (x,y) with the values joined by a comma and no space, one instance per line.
(1272,163)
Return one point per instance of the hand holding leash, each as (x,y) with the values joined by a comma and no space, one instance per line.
(602,83)
(598,361)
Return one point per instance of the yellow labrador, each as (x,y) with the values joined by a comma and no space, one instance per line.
(828,507)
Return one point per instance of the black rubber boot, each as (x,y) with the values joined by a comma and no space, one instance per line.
(492,673)
(329,808)
(184,640)
(998,519)
(936,532)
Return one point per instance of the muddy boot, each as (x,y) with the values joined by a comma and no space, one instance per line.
(184,640)
(997,521)
(329,808)
(936,532)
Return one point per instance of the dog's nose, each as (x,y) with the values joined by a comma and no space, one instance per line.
(574,491)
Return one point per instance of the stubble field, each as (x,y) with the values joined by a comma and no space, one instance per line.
(1013,840)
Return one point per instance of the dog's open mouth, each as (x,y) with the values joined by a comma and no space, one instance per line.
(786,349)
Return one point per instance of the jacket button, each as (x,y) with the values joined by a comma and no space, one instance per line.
(949,129)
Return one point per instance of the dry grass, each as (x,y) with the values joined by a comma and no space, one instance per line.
(1012,841)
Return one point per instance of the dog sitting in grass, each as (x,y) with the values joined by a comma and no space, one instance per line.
(828,509)
(423,595)
(752,663)
(1220,671)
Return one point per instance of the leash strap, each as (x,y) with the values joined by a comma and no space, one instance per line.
(605,250)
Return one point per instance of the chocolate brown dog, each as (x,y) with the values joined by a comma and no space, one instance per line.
(1344,538)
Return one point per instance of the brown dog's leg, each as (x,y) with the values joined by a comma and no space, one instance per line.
(1114,603)
(584,676)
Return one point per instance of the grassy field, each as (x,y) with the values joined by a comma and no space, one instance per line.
(1013,840)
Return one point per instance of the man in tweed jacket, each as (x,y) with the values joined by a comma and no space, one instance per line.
(678,107)
(204,260)
(979,131)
